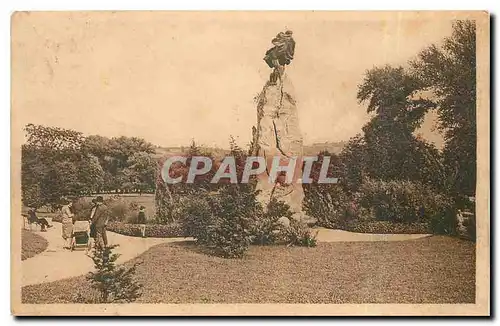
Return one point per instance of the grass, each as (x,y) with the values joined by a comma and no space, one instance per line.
(437,269)
(146,200)
(31,244)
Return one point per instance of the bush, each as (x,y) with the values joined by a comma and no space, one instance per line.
(299,234)
(222,221)
(402,201)
(195,217)
(268,229)
(82,208)
(235,209)
(470,225)
(387,227)
(57,218)
(328,203)
(172,230)
(113,284)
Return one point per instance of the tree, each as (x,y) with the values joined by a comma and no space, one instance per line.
(114,284)
(391,150)
(141,172)
(353,163)
(90,174)
(449,72)
(115,157)
(48,164)
(53,138)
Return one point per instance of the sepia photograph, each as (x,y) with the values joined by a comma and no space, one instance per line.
(250,163)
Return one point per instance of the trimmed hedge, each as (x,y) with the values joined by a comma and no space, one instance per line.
(172,230)
(387,227)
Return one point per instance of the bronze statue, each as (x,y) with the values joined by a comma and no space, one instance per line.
(281,53)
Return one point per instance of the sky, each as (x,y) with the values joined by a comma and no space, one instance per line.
(173,77)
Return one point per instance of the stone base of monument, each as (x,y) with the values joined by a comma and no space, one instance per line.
(277,134)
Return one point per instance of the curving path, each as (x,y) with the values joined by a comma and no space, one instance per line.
(55,263)
(329,235)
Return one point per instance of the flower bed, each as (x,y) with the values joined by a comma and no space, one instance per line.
(387,227)
(152,230)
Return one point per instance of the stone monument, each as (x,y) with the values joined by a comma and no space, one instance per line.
(277,132)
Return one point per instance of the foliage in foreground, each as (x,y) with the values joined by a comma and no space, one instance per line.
(228,221)
(112,284)
(299,234)
(268,228)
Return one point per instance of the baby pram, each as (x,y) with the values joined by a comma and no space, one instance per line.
(81,231)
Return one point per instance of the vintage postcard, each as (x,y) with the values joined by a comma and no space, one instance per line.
(250,163)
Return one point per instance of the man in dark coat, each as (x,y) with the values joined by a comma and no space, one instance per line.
(99,222)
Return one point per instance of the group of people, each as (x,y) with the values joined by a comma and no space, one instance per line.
(97,219)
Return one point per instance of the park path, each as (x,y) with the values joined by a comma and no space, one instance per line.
(329,235)
(56,263)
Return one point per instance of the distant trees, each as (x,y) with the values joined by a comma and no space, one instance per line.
(58,162)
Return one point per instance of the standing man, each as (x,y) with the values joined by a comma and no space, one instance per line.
(99,222)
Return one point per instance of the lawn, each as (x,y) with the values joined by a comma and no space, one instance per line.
(146,200)
(437,269)
(31,244)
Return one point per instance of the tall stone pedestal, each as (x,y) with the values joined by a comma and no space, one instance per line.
(278,134)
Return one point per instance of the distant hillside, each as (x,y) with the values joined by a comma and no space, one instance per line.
(332,147)
(169,151)
(311,150)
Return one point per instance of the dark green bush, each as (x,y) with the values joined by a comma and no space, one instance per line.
(195,217)
(111,283)
(328,204)
(171,230)
(402,201)
(57,218)
(387,227)
(222,221)
(470,225)
(234,212)
(268,229)
(299,234)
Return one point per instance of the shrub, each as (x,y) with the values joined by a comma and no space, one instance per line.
(402,201)
(235,209)
(114,284)
(82,208)
(195,217)
(222,221)
(57,217)
(299,234)
(470,225)
(444,221)
(172,230)
(387,227)
(267,228)
(328,203)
